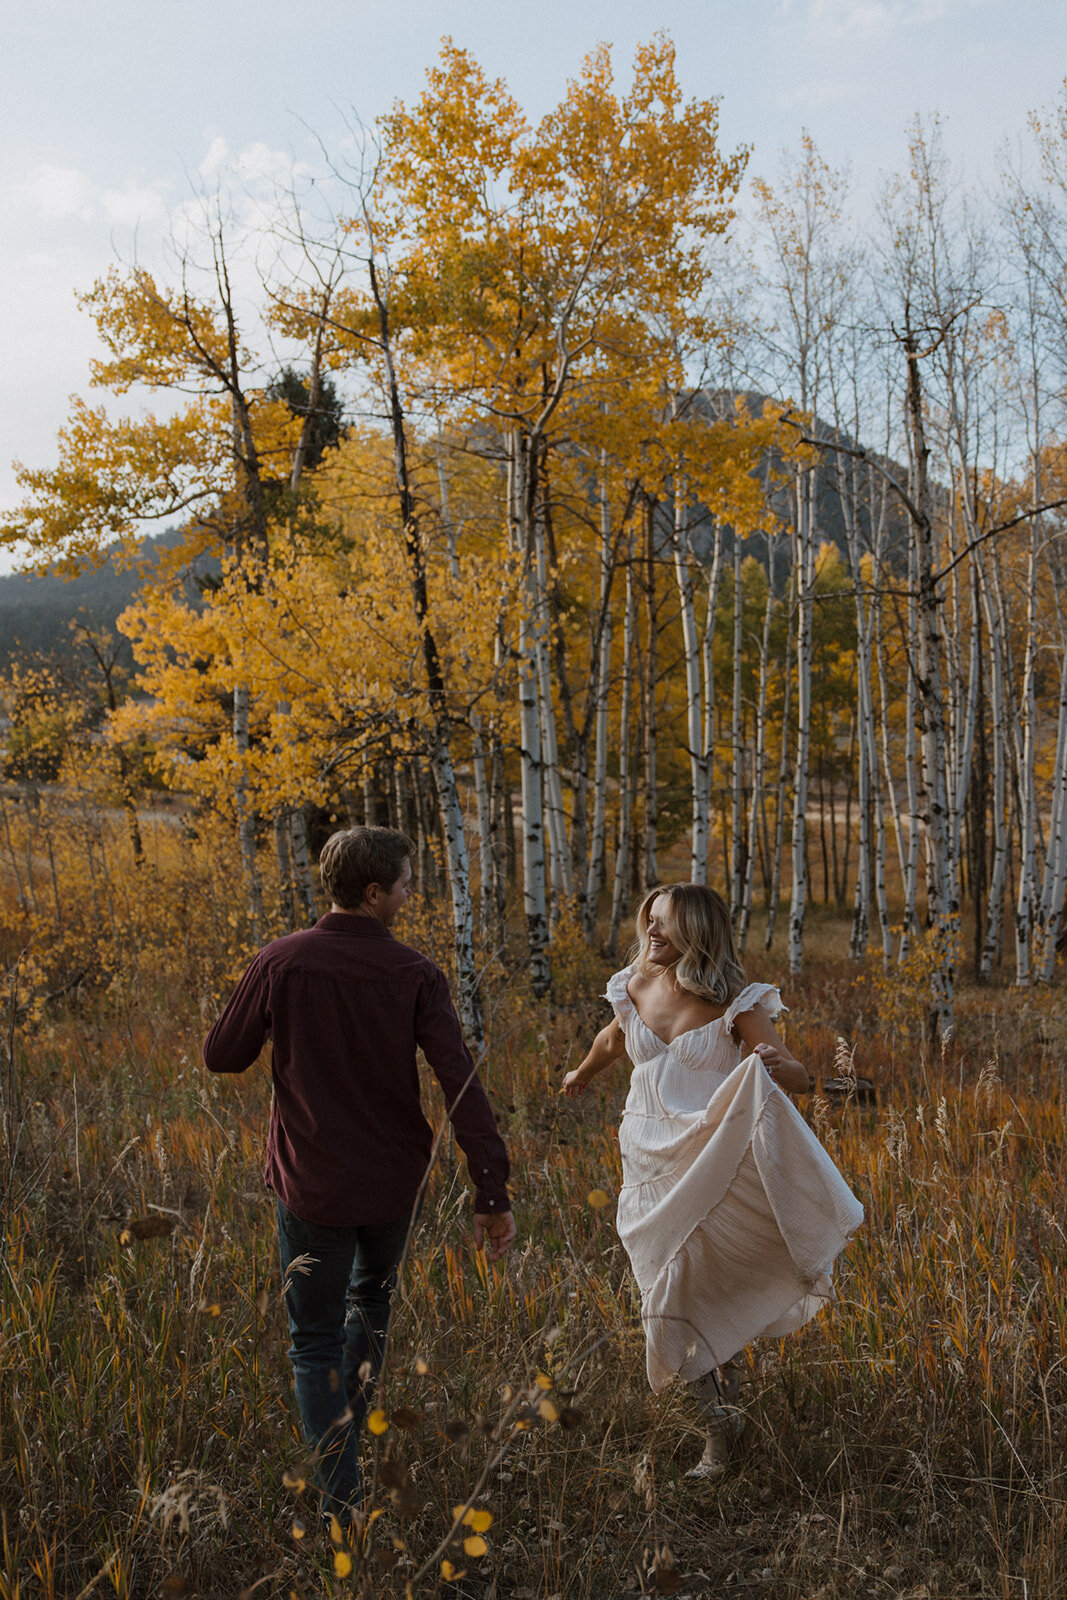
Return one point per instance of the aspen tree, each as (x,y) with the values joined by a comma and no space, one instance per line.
(538,260)
(800,219)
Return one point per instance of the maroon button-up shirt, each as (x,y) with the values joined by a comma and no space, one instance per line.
(345,1005)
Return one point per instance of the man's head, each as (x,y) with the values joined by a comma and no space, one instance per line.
(368,870)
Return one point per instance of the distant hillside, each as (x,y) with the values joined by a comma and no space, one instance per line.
(36,610)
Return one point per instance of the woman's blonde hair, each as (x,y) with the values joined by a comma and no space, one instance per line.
(698,924)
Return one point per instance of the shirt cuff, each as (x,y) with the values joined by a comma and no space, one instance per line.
(491,1199)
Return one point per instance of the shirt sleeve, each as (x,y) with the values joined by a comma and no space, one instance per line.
(440,1037)
(240,1033)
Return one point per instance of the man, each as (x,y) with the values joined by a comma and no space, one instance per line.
(345,1005)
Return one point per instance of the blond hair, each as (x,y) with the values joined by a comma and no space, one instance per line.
(698,924)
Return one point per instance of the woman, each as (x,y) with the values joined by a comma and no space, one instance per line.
(731,1211)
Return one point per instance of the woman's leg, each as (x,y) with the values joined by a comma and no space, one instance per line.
(716,1395)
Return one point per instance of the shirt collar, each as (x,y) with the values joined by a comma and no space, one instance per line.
(354,923)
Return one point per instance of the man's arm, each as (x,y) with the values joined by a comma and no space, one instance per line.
(242,1030)
(438,1033)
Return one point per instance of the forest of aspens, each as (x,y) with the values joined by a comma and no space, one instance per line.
(603,508)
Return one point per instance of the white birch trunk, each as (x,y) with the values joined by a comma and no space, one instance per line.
(998,707)
(803,563)
(468,1003)
(911,781)
(533,826)
(246,820)
(602,684)
(562,872)
(621,883)
(1027,788)
(737,782)
(1055,876)
(698,759)
(534,873)
(757,771)
(300,856)
(651,789)
(783,775)
(707,657)
(484,811)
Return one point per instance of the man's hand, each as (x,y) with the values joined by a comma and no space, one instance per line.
(495,1229)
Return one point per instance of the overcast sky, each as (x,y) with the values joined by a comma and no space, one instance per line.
(112,107)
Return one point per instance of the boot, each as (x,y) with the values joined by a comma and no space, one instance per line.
(716,1397)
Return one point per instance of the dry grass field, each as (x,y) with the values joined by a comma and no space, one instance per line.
(910,1442)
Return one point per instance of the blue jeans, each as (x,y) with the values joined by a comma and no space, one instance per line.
(338,1313)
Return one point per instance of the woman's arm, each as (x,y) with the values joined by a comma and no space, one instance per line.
(755,1029)
(608,1046)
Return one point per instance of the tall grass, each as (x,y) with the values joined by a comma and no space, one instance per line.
(909,1442)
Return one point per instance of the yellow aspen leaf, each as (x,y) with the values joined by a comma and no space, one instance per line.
(547,1410)
(209,1308)
(475,1545)
(342,1563)
(450,1573)
(479,1521)
(598,1199)
(294,1481)
(421,1367)
(299,1528)
(378,1422)
(543,1381)
(336,1536)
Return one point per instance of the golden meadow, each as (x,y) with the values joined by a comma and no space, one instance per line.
(910,1443)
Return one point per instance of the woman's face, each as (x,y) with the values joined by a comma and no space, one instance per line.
(660,948)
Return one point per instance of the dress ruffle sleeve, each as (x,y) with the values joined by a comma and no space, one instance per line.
(616,992)
(764,995)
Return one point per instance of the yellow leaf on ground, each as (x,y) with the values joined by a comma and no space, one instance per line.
(475,1545)
(377,1422)
(479,1521)
(598,1199)
(342,1563)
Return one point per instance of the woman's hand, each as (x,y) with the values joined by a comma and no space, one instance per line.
(608,1046)
(785,1070)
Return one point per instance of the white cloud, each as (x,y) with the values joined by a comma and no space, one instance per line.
(131,208)
(65,194)
(218,154)
(862,18)
(807,97)
(59,193)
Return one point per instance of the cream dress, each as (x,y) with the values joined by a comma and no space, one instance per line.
(731,1211)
